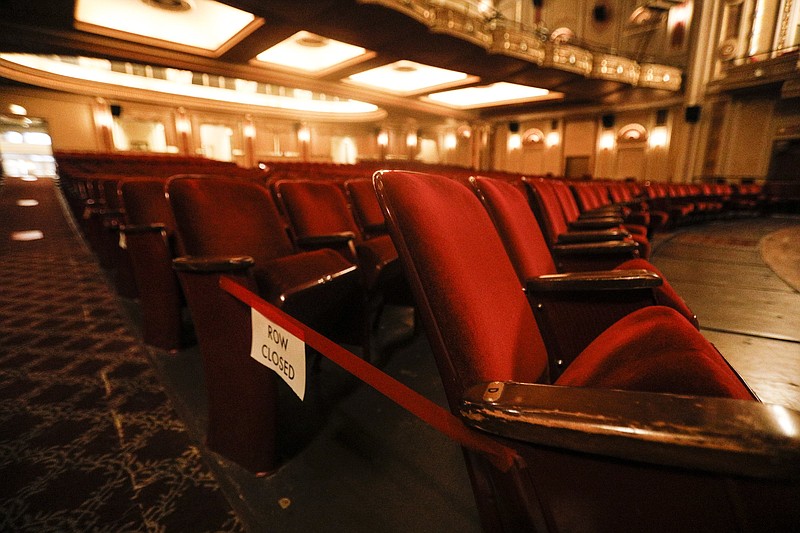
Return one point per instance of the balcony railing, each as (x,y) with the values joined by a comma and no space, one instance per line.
(477,22)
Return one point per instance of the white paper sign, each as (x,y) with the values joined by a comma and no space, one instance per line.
(280,351)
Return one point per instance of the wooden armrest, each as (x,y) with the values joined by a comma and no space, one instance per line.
(595,223)
(602,212)
(593,236)
(323,241)
(592,281)
(739,437)
(136,229)
(212,264)
(595,248)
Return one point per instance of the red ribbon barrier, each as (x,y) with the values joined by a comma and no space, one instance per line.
(437,417)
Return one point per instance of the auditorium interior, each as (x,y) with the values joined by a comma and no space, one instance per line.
(399,265)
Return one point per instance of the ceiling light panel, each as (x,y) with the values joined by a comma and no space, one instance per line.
(408,77)
(308,52)
(101,71)
(204,25)
(495,94)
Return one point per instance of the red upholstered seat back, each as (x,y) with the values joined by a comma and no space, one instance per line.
(316,208)
(567,201)
(365,204)
(586,196)
(551,216)
(146,203)
(478,321)
(517,227)
(227,216)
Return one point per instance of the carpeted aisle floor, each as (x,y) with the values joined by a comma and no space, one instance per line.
(88,438)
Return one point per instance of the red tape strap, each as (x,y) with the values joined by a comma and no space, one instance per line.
(440,419)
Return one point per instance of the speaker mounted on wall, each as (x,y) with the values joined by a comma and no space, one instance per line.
(601,12)
(116,110)
(513,127)
(608,120)
(693,114)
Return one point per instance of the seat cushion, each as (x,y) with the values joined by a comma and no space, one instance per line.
(285,275)
(655,350)
(665,294)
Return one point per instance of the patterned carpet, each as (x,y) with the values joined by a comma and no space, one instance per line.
(88,438)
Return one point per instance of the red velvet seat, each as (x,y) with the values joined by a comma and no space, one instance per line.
(458,261)
(319,216)
(592,200)
(553,222)
(525,244)
(624,193)
(580,438)
(220,220)
(149,233)
(366,208)
(592,197)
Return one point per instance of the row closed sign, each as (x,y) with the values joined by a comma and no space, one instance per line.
(279,350)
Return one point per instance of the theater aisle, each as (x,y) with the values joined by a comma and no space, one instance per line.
(88,438)
(744,307)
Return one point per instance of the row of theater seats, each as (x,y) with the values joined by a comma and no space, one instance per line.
(516,295)
(656,206)
(642,430)
(295,242)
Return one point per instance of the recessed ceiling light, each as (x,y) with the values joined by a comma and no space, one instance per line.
(309,52)
(27,202)
(200,26)
(408,77)
(495,94)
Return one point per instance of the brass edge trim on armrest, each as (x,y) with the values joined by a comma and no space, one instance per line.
(600,247)
(285,295)
(592,236)
(599,222)
(596,280)
(606,211)
(740,437)
(212,264)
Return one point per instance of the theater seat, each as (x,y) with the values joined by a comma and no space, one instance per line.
(454,254)
(366,208)
(559,229)
(319,216)
(230,225)
(588,453)
(149,235)
(530,256)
